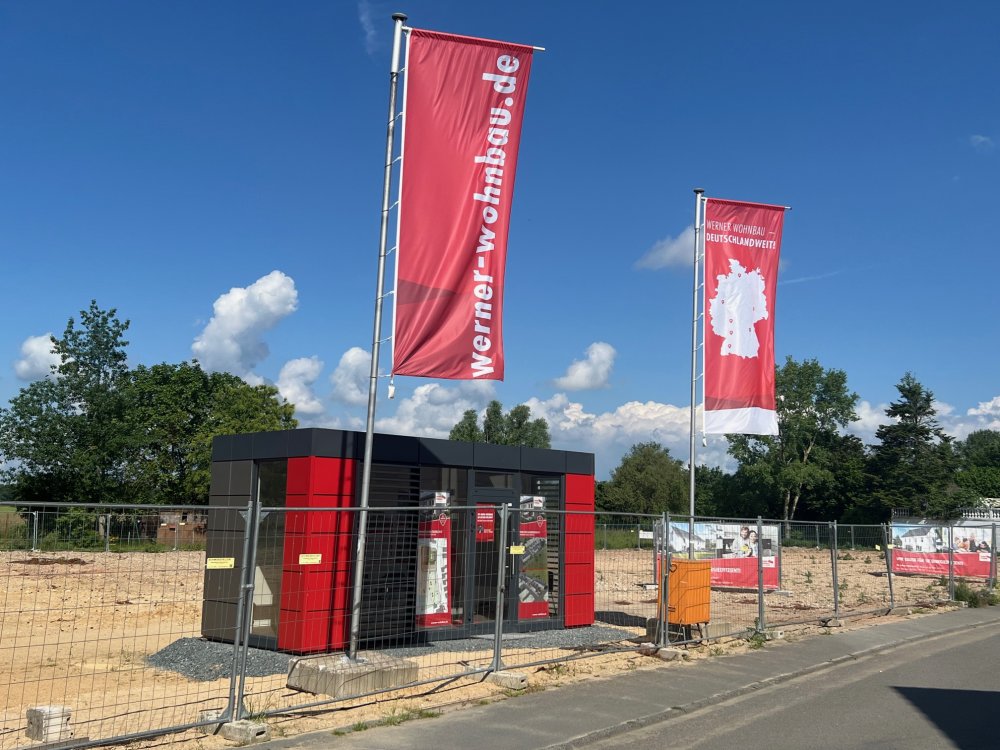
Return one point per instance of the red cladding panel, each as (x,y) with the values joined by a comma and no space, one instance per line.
(579,549)
(299,477)
(333,476)
(303,632)
(580,523)
(579,492)
(579,578)
(579,610)
(307,590)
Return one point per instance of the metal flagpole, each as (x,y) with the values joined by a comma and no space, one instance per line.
(359,555)
(698,192)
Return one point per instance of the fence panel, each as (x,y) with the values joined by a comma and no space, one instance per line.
(90,620)
(806,586)
(129,619)
(608,594)
(418,584)
(862,574)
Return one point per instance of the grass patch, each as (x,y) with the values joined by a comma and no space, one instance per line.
(976,597)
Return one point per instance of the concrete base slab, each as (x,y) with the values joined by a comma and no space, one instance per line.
(245,732)
(215,716)
(49,723)
(722,629)
(337,676)
(508,680)
(669,654)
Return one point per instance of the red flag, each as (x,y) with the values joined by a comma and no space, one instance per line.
(742,243)
(463,106)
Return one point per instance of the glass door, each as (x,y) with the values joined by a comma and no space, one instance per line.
(484,543)
(272,479)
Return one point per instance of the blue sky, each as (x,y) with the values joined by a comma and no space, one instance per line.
(213,171)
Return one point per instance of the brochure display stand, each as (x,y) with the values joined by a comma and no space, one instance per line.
(433,561)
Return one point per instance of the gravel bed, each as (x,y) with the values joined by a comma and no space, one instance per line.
(201,660)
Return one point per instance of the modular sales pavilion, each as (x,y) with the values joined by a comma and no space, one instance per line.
(432,551)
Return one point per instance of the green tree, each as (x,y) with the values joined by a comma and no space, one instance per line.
(913,465)
(979,463)
(66,435)
(176,410)
(813,405)
(467,429)
(233,407)
(515,427)
(647,480)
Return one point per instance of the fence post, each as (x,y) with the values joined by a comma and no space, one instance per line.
(761,624)
(107,532)
(638,536)
(497,665)
(34,531)
(605,535)
(231,711)
(836,582)
(816,529)
(177,531)
(781,575)
(852,536)
(951,563)
(993,558)
(663,571)
(888,564)
(246,625)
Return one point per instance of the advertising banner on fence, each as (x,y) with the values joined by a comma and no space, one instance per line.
(733,549)
(925,550)
(533,582)
(742,243)
(463,108)
(434,561)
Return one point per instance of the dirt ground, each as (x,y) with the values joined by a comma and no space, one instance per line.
(76,629)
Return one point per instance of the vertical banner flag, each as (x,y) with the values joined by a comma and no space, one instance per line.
(742,242)
(463,106)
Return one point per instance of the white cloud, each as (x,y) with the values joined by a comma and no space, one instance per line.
(367,26)
(672,251)
(295,384)
(592,372)
(986,409)
(37,357)
(350,379)
(232,341)
(434,409)
(869,418)
(609,435)
(981,143)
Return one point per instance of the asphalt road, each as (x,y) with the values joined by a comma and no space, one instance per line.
(939,693)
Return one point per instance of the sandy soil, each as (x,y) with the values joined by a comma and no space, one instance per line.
(76,628)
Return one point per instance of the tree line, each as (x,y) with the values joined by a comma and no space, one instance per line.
(97,430)
(813,470)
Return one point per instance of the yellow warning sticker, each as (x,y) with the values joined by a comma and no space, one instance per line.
(314,559)
(220,563)
(517,549)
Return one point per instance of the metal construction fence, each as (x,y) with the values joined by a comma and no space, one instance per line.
(137,635)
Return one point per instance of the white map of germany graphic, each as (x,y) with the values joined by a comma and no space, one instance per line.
(739,303)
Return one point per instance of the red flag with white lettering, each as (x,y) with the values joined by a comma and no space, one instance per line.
(463,107)
(742,244)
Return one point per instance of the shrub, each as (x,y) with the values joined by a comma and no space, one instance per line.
(976,597)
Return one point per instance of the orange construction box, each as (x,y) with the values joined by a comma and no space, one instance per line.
(689,591)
